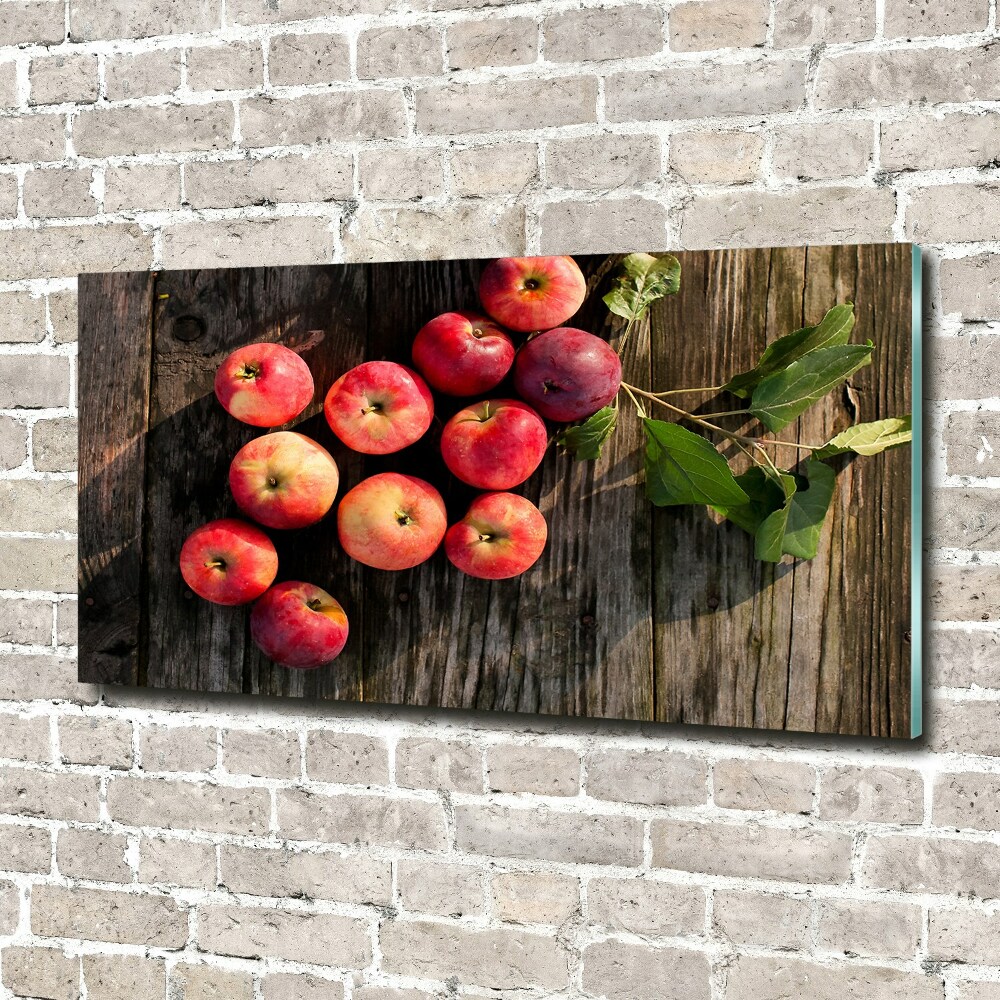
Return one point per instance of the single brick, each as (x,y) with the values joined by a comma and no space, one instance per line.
(48,795)
(808,22)
(256,932)
(506,104)
(967,800)
(769,218)
(96,739)
(871,794)
(347,758)
(963,934)
(390,993)
(347,877)
(507,41)
(975,990)
(123,977)
(583,227)
(762,919)
(413,50)
(953,213)
(535,897)
(295,60)
(10,908)
(971,286)
(25,737)
(749,850)
(93,854)
(54,444)
(13,444)
(91,19)
(168,129)
(25,849)
(54,251)
(646,906)
(473,957)
(63,79)
(963,518)
(22,320)
(63,316)
(236,66)
(299,986)
(26,676)
(26,621)
(206,982)
(247,242)
(964,367)
(115,917)
(932,864)
(438,888)
(439,764)
(621,970)
(43,973)
(284,11)
(592,35)
(662,778)
(33,138)
(38,564)
(142,187)
(708,90)
(871,929)
(963,593)
(39,22)
(920,18)
(401,174)
(142,74)
(42,505)
(167,861)
(317,177)
(784,786)
(60,193)
(538,770)
(701,25)
(481,171)
(935,142)
(8,196)
(603,161)
(766,978)
(546,835)
(363,819)
(822,152)
(9,97)
(67,626)
(959,658)
(182,805)
(267,753)
(178,748)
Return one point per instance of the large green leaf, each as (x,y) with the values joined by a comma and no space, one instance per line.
(586,440)
(765,496)
(781,397)
(795,529)
(682,468)
(869,439)
(640,281)
(833,330)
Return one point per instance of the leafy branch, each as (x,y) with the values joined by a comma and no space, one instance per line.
(783,509)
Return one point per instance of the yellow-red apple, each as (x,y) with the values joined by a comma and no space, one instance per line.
(264,385)
(463,353)
(284,480)
(494,445)
(299,625)
(228,561)
(391,521)
(379,407)
(501,536)
(532,293)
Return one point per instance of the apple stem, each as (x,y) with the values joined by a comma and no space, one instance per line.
(248,371)
(315,604)
(485,538)
(215,564)
(403,519)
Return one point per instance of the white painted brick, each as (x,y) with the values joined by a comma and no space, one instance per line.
(643,906)
(936,142)
(507,41)
(25,621)
(401,174)
(615,33)
(93,854)
(762,919)
(481,171)
(33,138)
(206,982)
(919,18)
(54,194)
(309,59)
(414,50)
(39,21)
(238,66)
(267,753)
(869,928)
(356,114)
(593,227)
(174,862)
(700,25)
(785,786)
(822,152)
(247,242)
(440,889)
(54,444)
(872,795)
(22,318)
(123,977)
(95,740)
(92,19)
(603,161)
(621,970)
(62,79)
(45,973)
(142,74)
(540,770)
(167,129)
(142,188)
(808,22)
(535,897)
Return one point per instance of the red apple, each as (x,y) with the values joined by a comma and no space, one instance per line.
(284,480)
(494,445)
(567,374)
(265,385)
(228,561)
(532,293)
(379,407)
(391,521)
(463,353)
(299,625)
(501,536)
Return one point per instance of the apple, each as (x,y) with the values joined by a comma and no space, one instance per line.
(494,445)
(299,625)
(228,561)
(391,521)
(264,385)
(284,480)
(567,374)
(501,536)
(463,353)
(379,407)
(532,293)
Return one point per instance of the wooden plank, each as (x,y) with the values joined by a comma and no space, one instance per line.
(115,332)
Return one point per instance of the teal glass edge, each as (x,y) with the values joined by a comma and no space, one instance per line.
(917,508)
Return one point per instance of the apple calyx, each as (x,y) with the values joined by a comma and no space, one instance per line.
(315,604)
(531,284)
(403,519)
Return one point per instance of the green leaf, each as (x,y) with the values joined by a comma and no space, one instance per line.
(640,281)
(833,330)
(795,529)
(682,467)
(781,397)
(869,439)
(765,497)
(586,440)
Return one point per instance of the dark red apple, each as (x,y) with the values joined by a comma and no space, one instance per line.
(532,293)
(299,625)
(228,561)
(463,353)
(501,536)
(264,385)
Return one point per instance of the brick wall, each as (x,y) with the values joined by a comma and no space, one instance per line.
(175,846)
